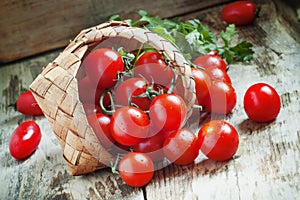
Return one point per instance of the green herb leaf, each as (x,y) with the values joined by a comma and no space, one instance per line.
(127,58)
(194,39)
(228,34)
(115,18)
(161,31)
(243,51)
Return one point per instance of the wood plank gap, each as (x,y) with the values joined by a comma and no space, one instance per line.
(144,192)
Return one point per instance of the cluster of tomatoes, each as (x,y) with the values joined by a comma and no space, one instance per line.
(136,107)
(214,88)
(141,111)
(139,108)
(27,136)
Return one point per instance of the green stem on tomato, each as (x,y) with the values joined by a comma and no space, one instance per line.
(114,165)
(137,55)
(150,92)
(197,107)
(257,11)
(104,110)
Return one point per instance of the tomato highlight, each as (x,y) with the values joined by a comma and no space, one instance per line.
(261,102)
(218,140)
(136,169)
(25,140)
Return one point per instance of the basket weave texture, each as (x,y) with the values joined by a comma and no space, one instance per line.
(56,91)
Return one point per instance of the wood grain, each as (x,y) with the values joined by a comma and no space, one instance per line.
(266,166)
(267,162)
(30,27)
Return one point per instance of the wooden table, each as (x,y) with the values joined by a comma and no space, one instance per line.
(266,166)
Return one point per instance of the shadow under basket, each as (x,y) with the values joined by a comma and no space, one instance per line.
(56,90)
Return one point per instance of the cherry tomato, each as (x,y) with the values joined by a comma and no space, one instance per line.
(221,98)
(129,125)
(136,169)
(130,89)
(168,112)
(101,127)
(261,102)
(27,105)
(239,12)
(212,60)
(202,84)
(25,140)
(151,65)
(217,74)
(181,147)
(152,146)
(218,140)
(102,67)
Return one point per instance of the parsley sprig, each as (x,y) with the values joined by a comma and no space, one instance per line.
(192,38)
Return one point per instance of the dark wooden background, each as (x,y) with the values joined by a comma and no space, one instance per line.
(31,27)
(267,164)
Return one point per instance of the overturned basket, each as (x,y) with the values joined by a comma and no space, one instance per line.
(56,91)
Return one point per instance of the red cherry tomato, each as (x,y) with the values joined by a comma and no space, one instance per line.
(212,60)
(27,105)
(101,126)
(218,140)
(168,112)
(261,102)
(102,67)
(136,169)
(239,12)
(129,125)
(129,90)
(217,74)
(221,98)
(152,66)
(202,84)
(181,147)
(152,146)
(25,140)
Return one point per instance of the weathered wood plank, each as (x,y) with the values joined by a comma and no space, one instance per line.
(268,160)
(267,165)
(287,14)
(31,27)
(44,175)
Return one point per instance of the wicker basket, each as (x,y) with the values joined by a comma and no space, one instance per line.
(56,91)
